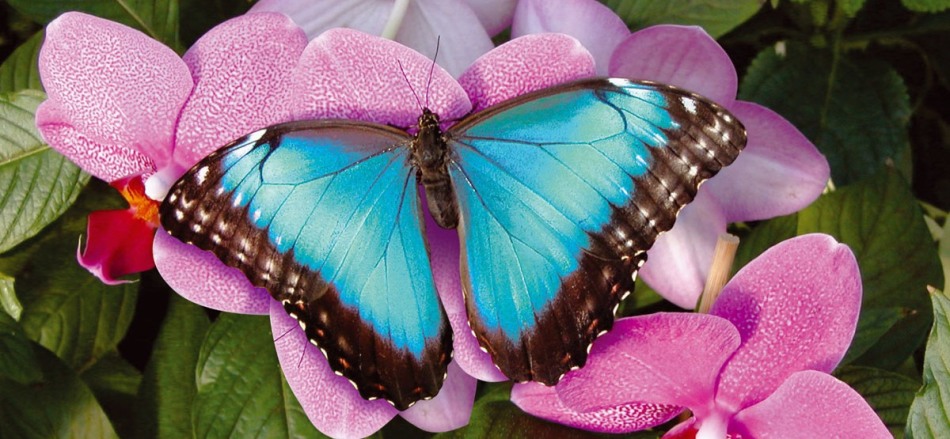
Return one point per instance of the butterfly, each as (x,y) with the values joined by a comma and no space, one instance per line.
(556,196)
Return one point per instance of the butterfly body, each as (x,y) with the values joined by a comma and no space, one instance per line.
(556,196)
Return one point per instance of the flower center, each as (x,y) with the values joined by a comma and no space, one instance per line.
(142,207)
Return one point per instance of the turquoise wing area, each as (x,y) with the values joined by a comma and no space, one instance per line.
(325,216)
(561,192)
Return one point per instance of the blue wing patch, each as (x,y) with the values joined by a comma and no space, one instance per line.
(325,216)
(561,192)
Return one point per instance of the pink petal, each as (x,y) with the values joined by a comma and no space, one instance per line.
(444,259)
(811,404)
(201,277)
(113,85)
(330,401)
(663,358)
(318,16)
(684,56)
(679,260)
(117,244)
(451,408)
(347,74)
(241,70)
(523,65)
(543,402)
(796,307)
(495,15)
(596,26)
(778,173)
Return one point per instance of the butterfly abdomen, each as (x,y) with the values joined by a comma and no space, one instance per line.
(430,154)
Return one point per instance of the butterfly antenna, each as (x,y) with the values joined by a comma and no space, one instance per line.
(302,352)
(438,41)
(284,334)
(406,78)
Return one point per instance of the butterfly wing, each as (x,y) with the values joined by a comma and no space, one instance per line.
(325,216)
(561,192)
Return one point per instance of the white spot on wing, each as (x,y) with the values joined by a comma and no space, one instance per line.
(689,104)
(201,175)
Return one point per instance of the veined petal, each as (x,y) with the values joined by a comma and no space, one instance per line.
(117,244)
(524,65)
(543,402)
(331,402)
(811,404)
(634,363)
(495,15)
(684,56)
(597,27)
(451,408)
(347,74)
(114,85)
(242,74)
(201,277)
(679,261)
(779,172)
(796,307)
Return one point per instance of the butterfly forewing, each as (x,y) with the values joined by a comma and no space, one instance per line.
(561,192)
(325,216)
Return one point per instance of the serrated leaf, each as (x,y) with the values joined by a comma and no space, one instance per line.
(17,362)
(926,5)
(855,110)
(60,405)
(157,18)
(888,393)
(115,382)
(882,224)
(20,70)
(873,324)
(241,390)
(943,250)
(929,417)
(40,184)
(168,388)
(715,16)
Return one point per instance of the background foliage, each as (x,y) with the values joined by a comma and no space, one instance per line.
(866,80)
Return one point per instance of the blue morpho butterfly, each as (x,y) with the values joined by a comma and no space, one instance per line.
(556,195)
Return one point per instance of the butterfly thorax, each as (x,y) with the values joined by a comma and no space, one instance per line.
(430,155)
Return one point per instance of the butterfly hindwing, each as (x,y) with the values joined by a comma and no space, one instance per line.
(561,192)
(325,216)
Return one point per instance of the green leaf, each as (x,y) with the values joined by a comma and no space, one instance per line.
(944,252)
(715,16)
(40,184)
(888,393)
(17,362)
(59,406)
(168,387)
(851,7)
(20,70)
(929,417)
(873,324)
(883,225)
(763,236)
(8,300)
(855,110)
(115,382)
(926,5)
(157,18)
(241,390)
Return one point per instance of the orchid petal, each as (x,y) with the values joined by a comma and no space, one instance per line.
(495,15)
(543,402)
(451,408)
(346,74)
(684,56)
(679,261)
(330,401)
(779,172)
(444,259)
(115,86)
(242,73)
(117,244)
(811,404)
(796,307)
(318,16)
(631,363)
(523,65)
(597,27)
(201,277)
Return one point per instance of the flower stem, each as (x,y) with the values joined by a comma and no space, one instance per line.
(723,257)
(395,19)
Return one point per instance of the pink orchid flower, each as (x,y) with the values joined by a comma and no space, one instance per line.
(463,27)
(779,172)
(756,366)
